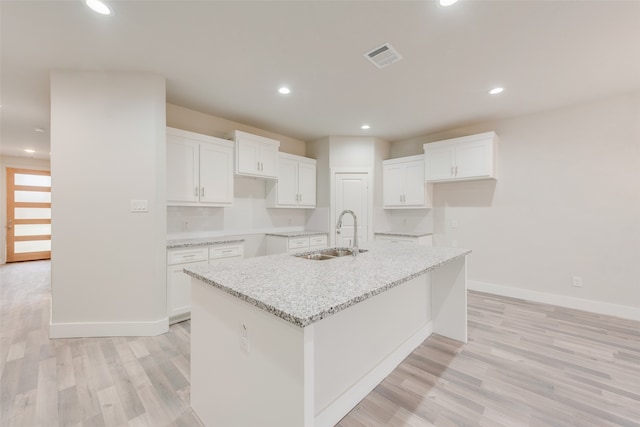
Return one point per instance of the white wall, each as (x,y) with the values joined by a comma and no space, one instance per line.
(19,163)
(566,203)
(318,219)
(108,148)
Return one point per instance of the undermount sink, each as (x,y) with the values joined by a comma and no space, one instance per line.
(330,253)
(316,257)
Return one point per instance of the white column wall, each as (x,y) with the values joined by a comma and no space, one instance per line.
(108,148)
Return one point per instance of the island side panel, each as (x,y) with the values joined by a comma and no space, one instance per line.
(355,349)
(449,293)
(230,386)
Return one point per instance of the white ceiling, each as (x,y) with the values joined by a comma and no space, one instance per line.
(228,59)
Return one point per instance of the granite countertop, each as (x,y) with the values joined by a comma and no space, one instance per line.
(296,233)
(199,241)
(304,291)
(402,233)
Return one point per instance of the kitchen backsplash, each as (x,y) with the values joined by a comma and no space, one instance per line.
(249,212)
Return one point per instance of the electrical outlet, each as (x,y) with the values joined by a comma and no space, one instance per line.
(244,338)
(185,226)
(577,281)
(454,223)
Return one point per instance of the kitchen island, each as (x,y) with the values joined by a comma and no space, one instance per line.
(287,341)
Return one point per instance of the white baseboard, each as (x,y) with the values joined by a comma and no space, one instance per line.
(599,307)
(331,415)
(108,329)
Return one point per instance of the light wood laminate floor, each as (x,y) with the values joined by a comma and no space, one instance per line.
(526,364)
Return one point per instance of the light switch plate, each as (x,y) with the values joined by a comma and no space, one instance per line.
(139,206)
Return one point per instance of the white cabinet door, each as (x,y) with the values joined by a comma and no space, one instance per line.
(464,158)
(307,184)
(256,155)
(403,184)
(473,159)
(268,158)
(248,154)
(179,292)
(178,283)
(216,174)
(296,184)
(287,185)
(393,177)
(199,169)
(439,163)
(182,170)
(414,193)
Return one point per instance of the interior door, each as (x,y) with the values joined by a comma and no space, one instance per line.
(28,215)
(351,193)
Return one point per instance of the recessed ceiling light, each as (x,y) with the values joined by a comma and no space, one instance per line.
(496,90)
(365,127)
(447,2)
(39,130)
(98,6)
(284,90)
(29,150)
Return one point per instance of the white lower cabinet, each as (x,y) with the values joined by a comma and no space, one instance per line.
(179,283)
(400,238)
(290,244)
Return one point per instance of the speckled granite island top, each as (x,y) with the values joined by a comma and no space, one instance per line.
(304,291)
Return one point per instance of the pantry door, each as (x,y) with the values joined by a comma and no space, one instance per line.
(28,215)
(352,193)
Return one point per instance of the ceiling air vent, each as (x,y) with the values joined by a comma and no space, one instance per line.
(383,55)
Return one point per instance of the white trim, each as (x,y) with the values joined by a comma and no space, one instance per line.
(108,329)
(331,415)
(598,307)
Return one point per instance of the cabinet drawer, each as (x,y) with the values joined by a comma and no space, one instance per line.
(318,241)
(226,252)
(397,239)
(299,243)
(182,256)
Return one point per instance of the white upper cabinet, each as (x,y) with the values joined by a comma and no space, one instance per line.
(460,159)
(403,183)
(199,169)
(296,185)
(256,156)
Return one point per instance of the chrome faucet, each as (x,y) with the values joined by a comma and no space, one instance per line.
(355,250)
